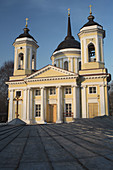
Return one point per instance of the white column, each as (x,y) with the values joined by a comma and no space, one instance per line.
(59,106)
(76,66)
(10,117)
(25,105)
(71,64)
(42,105)
(16,57)
(60,63)
(28,105)
(31,104)
(102,100)
(76,102)
(97,47)
(84,112)
(85,57)
(25,59)
(31,58)
(45,104)
(102,43)
(57,63)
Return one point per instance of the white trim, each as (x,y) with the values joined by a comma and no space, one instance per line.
(10,117)
(68,100)
(18,90)
(42,104)
(24,104)
(48,68)
(25,38)
(52,101)
(76,66)
(65,50)
(92,83)
(84,111)
(102,100)
(92,93)
(65,57)
(90,27)
(43,85)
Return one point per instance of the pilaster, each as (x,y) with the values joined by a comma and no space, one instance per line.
(59,119)
(102,100)
(10,117)
(84,111)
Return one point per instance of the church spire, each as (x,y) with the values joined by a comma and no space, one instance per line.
(69,24)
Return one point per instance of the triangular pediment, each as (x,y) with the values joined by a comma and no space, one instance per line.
(50,71)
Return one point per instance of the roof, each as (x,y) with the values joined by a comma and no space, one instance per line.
(26,34)
(69,41)
(91,21)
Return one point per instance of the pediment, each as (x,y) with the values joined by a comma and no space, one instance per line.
(50,71)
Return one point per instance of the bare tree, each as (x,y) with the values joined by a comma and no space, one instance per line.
(5,72)
(111,98)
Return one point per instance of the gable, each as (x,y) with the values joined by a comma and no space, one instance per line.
(50,71)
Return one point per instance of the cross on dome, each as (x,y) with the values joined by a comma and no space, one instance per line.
(90,9)
(26,22)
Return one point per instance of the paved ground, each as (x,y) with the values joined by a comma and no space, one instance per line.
(84,144)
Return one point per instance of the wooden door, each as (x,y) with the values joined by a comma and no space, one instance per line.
(93,110)
(54,113)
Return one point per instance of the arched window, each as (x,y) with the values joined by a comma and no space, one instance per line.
(33,62)
(66,65)
(20,61)
(91,53)
(79,65)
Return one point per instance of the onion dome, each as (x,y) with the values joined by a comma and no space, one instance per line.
(26,33)
(91,20)
(69,41)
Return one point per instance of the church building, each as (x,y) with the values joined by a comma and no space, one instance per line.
(73,86)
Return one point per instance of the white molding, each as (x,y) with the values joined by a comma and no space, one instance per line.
(92,83)
(91,27)
(68,100)
(65,57)
(52,101)
(48,68)
(67,49)
(102,100)
(92,86)
(25,38)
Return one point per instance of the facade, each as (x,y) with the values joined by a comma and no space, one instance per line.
(74,86)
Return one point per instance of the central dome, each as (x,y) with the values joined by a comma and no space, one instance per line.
(69,41)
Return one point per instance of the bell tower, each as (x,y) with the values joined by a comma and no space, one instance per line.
(25,53)
(91,36)
(94,77)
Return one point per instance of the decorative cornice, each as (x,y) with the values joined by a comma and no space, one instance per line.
(52,78)
(48,67)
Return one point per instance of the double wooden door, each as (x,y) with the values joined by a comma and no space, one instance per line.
(52,113)
(93,110)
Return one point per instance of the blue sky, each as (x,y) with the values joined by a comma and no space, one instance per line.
(48,25)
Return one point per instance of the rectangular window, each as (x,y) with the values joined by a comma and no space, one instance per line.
(38,92)
(68,110)
(92,90)
(18,93)
(68,90)
(52,91)
(38,110)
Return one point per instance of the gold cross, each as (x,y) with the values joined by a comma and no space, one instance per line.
(90,9)
(26,22)
(68,11)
